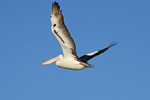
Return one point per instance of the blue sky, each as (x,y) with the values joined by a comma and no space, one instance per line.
(26,40)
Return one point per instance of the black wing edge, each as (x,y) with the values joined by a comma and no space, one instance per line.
(85,58)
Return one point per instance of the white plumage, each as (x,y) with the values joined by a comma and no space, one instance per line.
(69,59)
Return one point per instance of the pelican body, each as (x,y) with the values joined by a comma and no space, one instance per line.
(69,59)
(69,63)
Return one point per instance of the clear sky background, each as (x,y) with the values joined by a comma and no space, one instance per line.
(26,40)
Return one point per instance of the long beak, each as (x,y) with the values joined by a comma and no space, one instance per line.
(50,61)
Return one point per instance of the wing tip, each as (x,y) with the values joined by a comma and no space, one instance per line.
(113,44)
(55,8)
(55,4)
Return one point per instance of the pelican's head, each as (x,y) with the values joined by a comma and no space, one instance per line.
(50,61)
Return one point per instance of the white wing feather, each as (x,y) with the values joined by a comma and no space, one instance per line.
(61,32)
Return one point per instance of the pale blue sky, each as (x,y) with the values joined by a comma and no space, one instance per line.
(26,40)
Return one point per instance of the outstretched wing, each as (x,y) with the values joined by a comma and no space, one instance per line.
(89,56)
(61,32)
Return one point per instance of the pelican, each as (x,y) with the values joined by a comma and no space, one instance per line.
(69,59)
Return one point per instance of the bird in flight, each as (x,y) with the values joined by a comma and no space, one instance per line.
(69,59)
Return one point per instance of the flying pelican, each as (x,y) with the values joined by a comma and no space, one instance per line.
(69,59)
